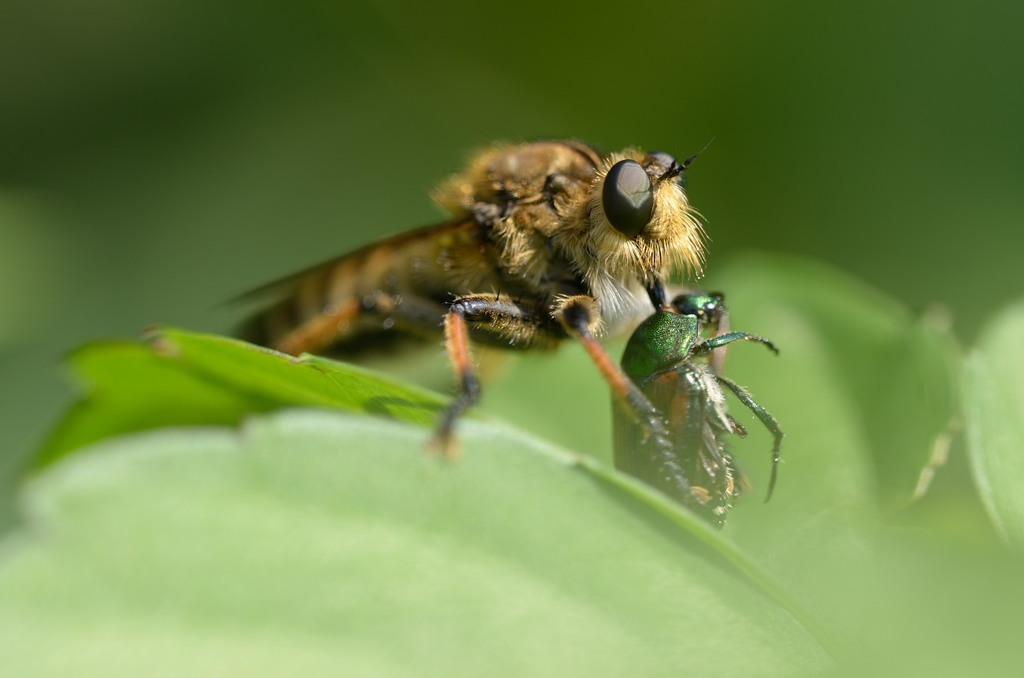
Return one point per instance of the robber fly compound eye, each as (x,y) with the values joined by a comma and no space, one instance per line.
(628,197)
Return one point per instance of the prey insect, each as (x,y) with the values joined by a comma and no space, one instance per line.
(547,241)
(674,367)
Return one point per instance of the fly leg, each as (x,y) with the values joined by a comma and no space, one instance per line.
(322,330)
(766,418)
(517,322)
(342,322)
(578,315)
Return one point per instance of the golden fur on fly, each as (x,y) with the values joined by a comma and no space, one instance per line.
(610,264)
(527,224)
(672,242)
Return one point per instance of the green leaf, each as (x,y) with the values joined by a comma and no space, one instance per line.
(128,387)
(319,543)
(184,378)
(845,390)
(995,422)
(307,380)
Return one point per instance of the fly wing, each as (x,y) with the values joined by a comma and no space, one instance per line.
(288,284)
(422,268)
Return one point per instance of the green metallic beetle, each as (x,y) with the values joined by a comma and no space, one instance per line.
(678,371)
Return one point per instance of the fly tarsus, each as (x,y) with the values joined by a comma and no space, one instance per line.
(456,341)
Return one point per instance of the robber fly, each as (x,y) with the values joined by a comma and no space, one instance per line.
(675,369)
(546,241)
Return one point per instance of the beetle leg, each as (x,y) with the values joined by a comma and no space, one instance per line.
(711,344)
(766,418)
(737,428)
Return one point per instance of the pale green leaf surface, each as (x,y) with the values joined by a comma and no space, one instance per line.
(819,524)
(995,422)
(850,359)
(327,544)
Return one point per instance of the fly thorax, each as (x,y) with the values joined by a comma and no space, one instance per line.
(523,251)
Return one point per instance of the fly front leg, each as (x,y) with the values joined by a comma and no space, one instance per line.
(504,317)
(578,315)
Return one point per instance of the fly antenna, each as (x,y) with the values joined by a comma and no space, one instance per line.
(686,163)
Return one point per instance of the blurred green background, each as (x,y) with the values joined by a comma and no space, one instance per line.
(158,158)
